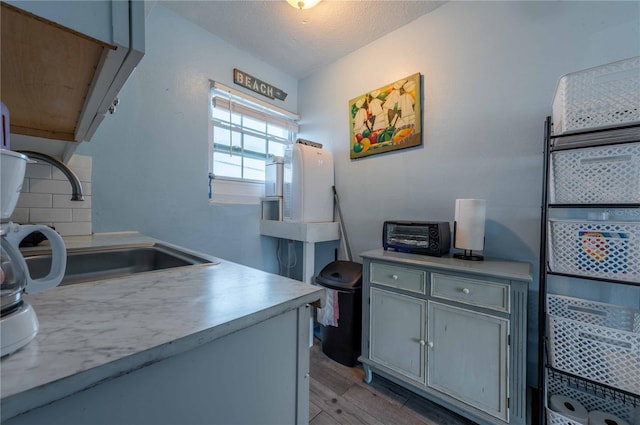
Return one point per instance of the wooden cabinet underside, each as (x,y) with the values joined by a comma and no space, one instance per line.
(47,71)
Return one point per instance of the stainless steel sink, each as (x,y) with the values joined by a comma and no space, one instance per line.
(85,265)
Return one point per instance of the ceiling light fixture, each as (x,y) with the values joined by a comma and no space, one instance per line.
(300,4)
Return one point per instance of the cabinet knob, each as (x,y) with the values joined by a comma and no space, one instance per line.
(430,344)
(394,276)
(465,290)
(422,342)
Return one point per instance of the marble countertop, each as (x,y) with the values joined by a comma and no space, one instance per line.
(489,267)
(92,332)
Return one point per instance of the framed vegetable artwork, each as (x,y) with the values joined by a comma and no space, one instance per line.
(386,119)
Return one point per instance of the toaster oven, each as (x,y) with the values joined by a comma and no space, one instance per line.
(417,237)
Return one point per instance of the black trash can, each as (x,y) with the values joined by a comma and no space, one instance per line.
(342,343)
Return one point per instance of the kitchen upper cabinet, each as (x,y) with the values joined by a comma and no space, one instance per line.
(64,62)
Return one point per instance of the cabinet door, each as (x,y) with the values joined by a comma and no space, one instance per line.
(467,357)
(397,333)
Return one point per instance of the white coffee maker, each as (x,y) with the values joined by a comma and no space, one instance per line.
(18,321)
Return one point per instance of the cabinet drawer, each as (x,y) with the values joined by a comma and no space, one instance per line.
(399,277)
(481,293)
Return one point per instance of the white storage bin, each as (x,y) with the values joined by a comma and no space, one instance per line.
(554,418)
(590,400)
(595,340)
(605,175)
(602,249)
(602,96)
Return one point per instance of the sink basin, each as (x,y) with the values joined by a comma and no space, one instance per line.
(86,265)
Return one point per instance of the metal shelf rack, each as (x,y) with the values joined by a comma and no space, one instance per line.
(554,143)
(597,389)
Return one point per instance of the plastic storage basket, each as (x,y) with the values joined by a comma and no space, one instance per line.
(590,399)
(602,96)
(601,249)
(596,341)
(606,175)
(554,418)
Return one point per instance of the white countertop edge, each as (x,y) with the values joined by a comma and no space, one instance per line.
(515,270)
(39,396)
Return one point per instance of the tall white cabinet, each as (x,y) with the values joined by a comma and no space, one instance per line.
(450,330)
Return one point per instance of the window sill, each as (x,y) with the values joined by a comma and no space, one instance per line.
(234,199)
(236,192)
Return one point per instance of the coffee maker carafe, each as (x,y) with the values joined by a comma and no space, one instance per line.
(18,321)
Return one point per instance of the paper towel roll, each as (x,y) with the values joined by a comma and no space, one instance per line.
(569,408)
(597,417)
(469,224)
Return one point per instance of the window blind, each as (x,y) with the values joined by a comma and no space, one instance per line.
(229,104)
(230,99)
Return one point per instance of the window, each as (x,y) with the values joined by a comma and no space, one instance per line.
(244,133)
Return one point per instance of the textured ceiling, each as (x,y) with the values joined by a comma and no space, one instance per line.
(299,42)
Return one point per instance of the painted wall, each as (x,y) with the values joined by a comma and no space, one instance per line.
(150,159)
(490,71)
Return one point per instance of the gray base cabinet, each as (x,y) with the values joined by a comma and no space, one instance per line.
(450,330)
(468,357)
(396,322)
(258,375)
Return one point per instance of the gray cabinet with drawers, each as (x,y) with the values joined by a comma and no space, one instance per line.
(453,331)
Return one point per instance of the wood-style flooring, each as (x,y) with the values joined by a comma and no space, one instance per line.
(340,396)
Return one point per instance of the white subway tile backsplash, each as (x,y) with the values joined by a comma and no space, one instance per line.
(50,214)
(83,174)
(44,223)
(80,161)
(41,170)
(25,186)
(81,215)
(46,198)
(86,188)
(20,215)
(64,201)
(50,186)
(58,175)
(73,229)
(35,200)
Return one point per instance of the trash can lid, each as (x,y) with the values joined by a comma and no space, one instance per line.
(341,275)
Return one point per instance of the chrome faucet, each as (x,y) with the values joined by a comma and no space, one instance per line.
(76,187)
